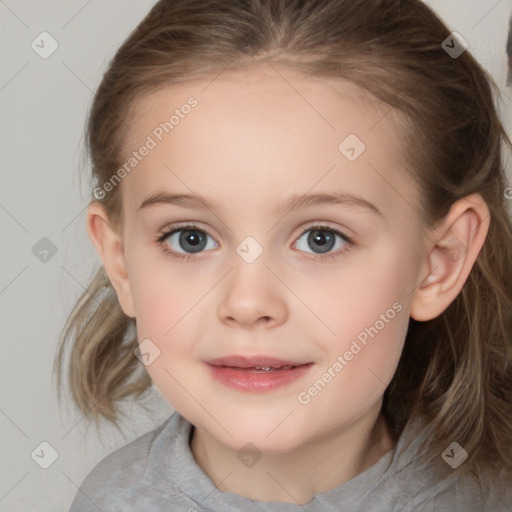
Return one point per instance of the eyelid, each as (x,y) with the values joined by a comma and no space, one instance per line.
(170,229)
(343,231)
(173,227)
(177,226)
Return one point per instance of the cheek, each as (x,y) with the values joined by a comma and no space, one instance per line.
(167,312)
(366,311)
(165,293)
(349,299)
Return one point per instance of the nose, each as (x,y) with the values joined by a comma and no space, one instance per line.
(252,296)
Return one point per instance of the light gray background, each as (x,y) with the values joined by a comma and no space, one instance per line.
(43,106)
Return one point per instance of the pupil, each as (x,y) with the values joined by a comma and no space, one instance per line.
(319,237)
(194,239)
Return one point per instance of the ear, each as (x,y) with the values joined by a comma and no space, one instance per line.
(452,249)
(109,245)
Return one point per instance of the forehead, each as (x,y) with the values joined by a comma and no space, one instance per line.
(265,89)
(266,129)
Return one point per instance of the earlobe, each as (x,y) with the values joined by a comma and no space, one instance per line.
(109,245)
(455,246)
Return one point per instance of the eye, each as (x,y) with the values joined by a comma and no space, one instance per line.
(323,240)
(185,240)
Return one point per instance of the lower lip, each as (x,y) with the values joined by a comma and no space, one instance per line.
(257,382)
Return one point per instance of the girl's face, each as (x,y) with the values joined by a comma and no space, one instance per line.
(256,278)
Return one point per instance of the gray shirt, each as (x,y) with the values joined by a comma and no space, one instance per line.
(157,472)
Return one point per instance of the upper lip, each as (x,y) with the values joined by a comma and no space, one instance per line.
(239,361)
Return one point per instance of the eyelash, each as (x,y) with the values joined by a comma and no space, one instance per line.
(162,236)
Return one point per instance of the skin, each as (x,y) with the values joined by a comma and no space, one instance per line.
(252,141)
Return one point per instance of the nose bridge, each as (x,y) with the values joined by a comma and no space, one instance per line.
(251,292)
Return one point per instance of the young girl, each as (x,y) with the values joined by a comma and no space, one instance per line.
(301,210)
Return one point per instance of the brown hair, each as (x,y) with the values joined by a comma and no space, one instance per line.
(455,371)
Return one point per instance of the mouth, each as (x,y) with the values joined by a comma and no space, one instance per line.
(262,369)
(257,363)
(256,374)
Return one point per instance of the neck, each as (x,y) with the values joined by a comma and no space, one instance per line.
(297,476)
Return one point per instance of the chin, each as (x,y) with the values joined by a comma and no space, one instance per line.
(269,435)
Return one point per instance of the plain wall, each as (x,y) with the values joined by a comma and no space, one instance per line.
(43,106)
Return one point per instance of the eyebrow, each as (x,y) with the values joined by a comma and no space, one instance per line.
(293,202)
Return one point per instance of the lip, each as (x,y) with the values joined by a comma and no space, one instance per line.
(239,361)
(241,373)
